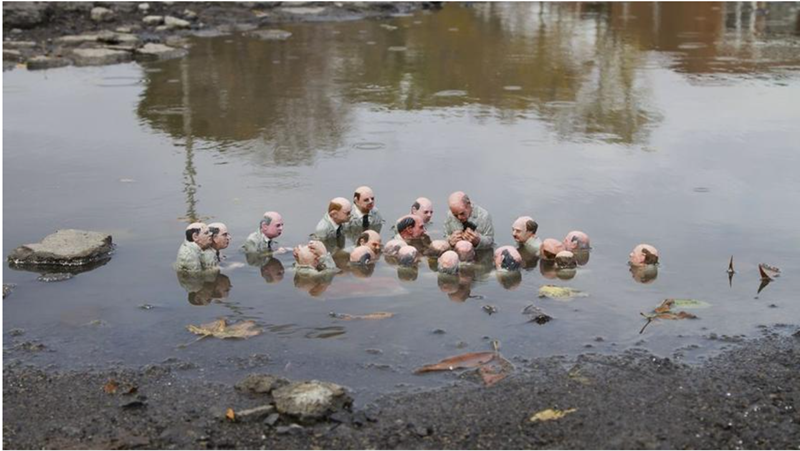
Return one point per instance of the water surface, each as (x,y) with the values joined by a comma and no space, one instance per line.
(673,124)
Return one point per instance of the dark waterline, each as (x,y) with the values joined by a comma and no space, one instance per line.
(673,124)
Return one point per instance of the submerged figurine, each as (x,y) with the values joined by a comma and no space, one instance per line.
(469,222)
(197,239)
(423,207)
(507,258)
(263,240)
(365,216)
(576,241)
(524,231)
(643,254)
(331,228)
(409,227)
(550,248)
(220,239)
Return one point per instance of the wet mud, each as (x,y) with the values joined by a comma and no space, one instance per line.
(746,397)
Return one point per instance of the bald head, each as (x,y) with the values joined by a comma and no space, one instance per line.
(523,229)
(576,240)
(339,210)
(437,248)
(393,247)
(362,255)
(370,238)
(507,258)
(407,256)
(465,251)
(364,199)
(272,224)
(198,233)
(423,207)
(550,248)
(460,206)
(410,227)
(644,254)
(220,238)
(565,259)
(448,262)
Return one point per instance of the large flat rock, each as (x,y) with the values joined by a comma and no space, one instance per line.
(311,400)
(65,247)
(99,57)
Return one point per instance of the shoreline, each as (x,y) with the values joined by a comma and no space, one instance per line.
(745,397)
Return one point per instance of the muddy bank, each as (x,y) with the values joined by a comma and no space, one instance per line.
(747,397)
(44,35)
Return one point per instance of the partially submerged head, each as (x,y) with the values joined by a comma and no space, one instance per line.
(460,206)
(370,238)
(393,247)
(643,254)
(507,258)
(271,224)
(565,259)
(437,248)
(576,240)
(550,248)
(448,263)
(523,229)
(364,199)
(465,251)
(220,238)
(410,227)
(407,256)
(310,254)
(362,255)
(339,210)
(423,207)
(644,274)
(198,233)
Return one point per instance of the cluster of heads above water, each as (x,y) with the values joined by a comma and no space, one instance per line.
(467,243)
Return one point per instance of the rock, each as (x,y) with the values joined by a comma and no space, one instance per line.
(255,413)
(76,40)
(153,20)
(65,247)
(175,23)
(177,41)
(24,14)
(19,45)
(54,277)
(7,289)
(12,55)
(303,10)
(152,51)
(189,14)
(100,14)
(310,400)
(261,383)
(536,315)
(272,419)
(270,35)
(291,429)
(16,332)
(123,29)
(144,7)
(110,37)
(99,57)
(47,62)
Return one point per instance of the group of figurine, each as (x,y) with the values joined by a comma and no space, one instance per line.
(468,232)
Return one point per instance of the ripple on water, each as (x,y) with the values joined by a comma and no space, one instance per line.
(369,145)
(692,45)
(512,88)
(397,49)
(118,82)
(560,104)
(451,93)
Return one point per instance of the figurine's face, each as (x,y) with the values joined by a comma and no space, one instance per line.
(425,210)
(203,238)
(275,228)
(342,215)
(222,240)
(366,200)
(519,230)
(462,211)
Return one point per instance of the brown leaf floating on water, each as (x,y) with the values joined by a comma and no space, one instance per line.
(764,275)
(730,266)
(221,329)
(664,311)
(468,360)
(370,316)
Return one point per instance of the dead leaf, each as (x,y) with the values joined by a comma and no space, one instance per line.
(764,275)
(111,387)
(730,266)
(230,414)
(664,311)
(665,306)
(468,360)
(221,329)
(556,292)
(376,315)
(550,414)
(772,269)
(495,370)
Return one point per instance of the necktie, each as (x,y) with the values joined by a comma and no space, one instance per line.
(269,245)
(365,221)
(338,232)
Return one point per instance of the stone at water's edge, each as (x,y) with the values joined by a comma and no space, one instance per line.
(151,51)
(99,57)
(261,383)
(270,35)
(65,247)
(311,400)
(47,62)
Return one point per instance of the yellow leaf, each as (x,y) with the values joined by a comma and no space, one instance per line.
(550,414)
(376,315)
(230,414)
(556,292)
(221,329)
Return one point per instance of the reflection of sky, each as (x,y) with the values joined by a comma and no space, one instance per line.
(713,176)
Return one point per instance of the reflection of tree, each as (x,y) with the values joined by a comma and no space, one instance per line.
(189,183)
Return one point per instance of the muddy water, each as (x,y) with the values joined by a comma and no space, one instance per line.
(672,124)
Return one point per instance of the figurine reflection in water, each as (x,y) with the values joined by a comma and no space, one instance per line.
(362,262)
(565,265)
(644,274)
(314,268)
(204,287)
(272,271)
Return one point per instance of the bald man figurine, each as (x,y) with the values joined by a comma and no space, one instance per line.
(198,239)
(524,232)
(409,227)
(372,239)
(644,254)
(331,227)
(220,239)
(263,239)
(507,258)
(365,216)
(423,207)
(466,221)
